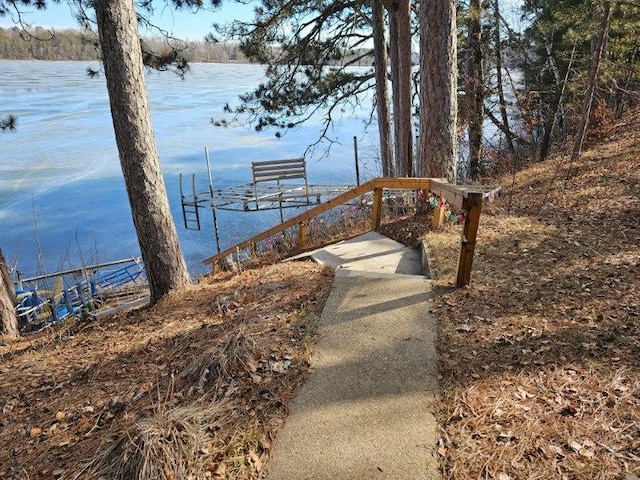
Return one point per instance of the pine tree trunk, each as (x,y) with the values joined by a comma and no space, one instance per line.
(400,45)
(156,231)
(382,89)
(404,137)
(438,89)
(8,315)
(395,81)
(474,89)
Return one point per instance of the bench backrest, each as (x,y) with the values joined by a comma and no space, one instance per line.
(276,170)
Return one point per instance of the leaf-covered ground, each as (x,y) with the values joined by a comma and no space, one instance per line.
(194,387)
(541,354)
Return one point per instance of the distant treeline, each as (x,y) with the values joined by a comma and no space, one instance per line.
(43,44)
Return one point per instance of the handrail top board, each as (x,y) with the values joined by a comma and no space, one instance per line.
(453,194)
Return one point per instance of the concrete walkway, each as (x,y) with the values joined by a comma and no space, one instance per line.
(366,411)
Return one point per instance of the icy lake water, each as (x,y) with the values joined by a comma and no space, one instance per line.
(60,170)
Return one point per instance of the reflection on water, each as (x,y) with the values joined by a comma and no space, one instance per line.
(60,174)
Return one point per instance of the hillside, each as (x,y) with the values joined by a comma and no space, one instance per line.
(540,356)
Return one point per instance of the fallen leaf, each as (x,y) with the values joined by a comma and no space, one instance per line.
(575,446)
(464,328)
(257,463)
(279,367)
(586,453)
(252,365)
(221,470)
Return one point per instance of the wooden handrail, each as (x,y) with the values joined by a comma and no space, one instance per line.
(459,196)
(334,202)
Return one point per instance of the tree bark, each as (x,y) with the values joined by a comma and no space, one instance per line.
(593,78)
(395,83)
(382,88)
(400,43)
(474,89)
(8,315)
(405,136)
(156,231)
(438,89)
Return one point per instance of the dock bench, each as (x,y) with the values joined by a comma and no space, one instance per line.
(278,171)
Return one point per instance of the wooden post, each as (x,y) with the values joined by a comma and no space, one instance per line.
(473,205)
(377,208)
(355,150)
(238,260)
(252,250)
(438,217)
(302,235)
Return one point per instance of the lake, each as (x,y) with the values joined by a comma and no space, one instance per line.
(62,197)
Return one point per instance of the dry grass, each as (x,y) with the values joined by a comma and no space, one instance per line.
(337,224)
(172,443)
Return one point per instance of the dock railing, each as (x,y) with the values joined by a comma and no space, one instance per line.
(467,197)
(38,308)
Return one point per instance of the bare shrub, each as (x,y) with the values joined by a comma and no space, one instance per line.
(171,444)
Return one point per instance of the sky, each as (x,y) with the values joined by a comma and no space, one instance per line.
(182,24)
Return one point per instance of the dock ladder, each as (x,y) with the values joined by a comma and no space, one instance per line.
(190,206)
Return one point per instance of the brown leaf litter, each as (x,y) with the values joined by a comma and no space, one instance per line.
(540,356)
(194,387)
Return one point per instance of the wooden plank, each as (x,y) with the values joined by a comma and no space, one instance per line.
(278,162)
(278,168)
(453,194)
(272,177)
(473,206)
(406,183)
(279,171)
(284,169)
